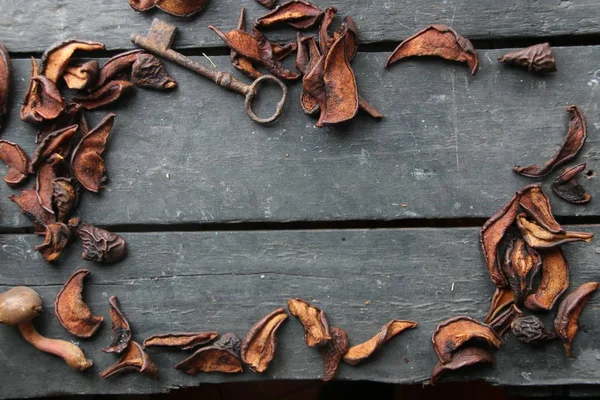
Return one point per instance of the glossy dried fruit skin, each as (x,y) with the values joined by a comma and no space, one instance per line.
(52,168)
(298,13)
(116,65)
(260,342)
(269,60)
(314,321)
(64,198)
(120,332)
(59,142)
(537,205)
(180,340)
(540,238)
(502,298)
(78,77)
(150,73)
(72,312)
(57,238)
(462,358)
(437,40)
(453,333)
(99,245)
(333,352)
(16,160)
(520,266)
(5,83)
(531,330)
(361,352)
(56,59)
(43,100)
(135,359)
(503,321)
(573,142)
(180,8)
(104,95)
(554,282)
(536,58)
(222,356)
(31,208)
(566,323)
(567,188)
(142,5)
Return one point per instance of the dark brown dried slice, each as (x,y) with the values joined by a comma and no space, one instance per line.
(54,167)
(567,188)
(540,238)
(314,321)
(503,321)
(82,76)
(71,115)
(451,334)
(31,208)
(554,282)
(56,59)
(99,245)
(246,44)
(31,98)
(368,108)
(462,358)
(267,3)
(59,142)
(5,82)
(571,145)
(520,266)
(104,95)
(222,356)
(142,5)
(57,238)
(240,62)
(531,330)
(537,205)
(180,8)
(333,352)
(437,40)
(64,197)
(502,298)
(351,37)
(307,56)
(299,14)
(270,61)
(536,58)
(149,72)
(70,309)
(135,359)
(180,340)
(361,352)
(566,323)
(16,160)
(325,40)
(120,332)
(116,65)
(43,100)
(260,342)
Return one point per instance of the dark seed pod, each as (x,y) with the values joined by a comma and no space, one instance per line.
(537,58)
(530,329)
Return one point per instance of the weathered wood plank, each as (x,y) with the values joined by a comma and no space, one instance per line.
(24,28)
(445,148)
(227,280)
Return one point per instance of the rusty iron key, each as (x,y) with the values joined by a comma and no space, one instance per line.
(158,42)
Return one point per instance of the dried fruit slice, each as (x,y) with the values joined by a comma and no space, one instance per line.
(71,116)
(31,208)
(116,65)
(531,330)
(246,44)
(270,61)
(314,321)
(120,332)
(222,356)
(463,358)
(180,8)
(135,359)
(59,142)
(520,266)
(503,321)
(142,5)
(82,76)
(240,62)
(299,14)
(57,238)
(16,160)
(260,342)
(325,40)
(536,58)
(64,197)
(554,282)
(104,95)
(99,245)
(536,203)
(70,309)
(31,98)
(502,298)
(567,188)
(180,340)
(43,100)
(56,59)
(52,168)
(540,238)
(5,82)
(149,72)
(333,352)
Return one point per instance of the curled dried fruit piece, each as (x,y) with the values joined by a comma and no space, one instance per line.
(116,65)
(463,358)
(72,312)
(120,333)
(240,62)
(567,188)
(72,115)
(566,323)
(180,8)
(536,203)
(325,40)
(437,40)
(530,329)
(99,245)
(520,266)
(260,342)
(149,72)
(82,76)
(64,197)
(43,99)
(537,58)
(571,145)
(57,238)
(5,82)
(16,160)
(104,95)
(222,356)
(270,61)
(299,14)
(31,208)
(56,59)
(333,352)
(52,168)
(554,282)
(540,238)
(454,332)
(134,359)
(142,5)
(180,340)
(314,321)
(503,321)
(58,142)
(361,352)
(502,298)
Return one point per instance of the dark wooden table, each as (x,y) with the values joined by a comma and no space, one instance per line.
(226,219)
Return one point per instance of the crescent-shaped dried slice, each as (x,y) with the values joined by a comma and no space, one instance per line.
(246,44)
(520,266)
(180,8)
(59,142)
(298,13)
(57,238)
(437,40)
(537,205)
(72,312)
(31,208)
(56,59)
(70,116)
(461,359)
(325,39)
(52,168)
(571,145)
(120,332)
(307,56)
(149,72)
(451,334)
(104,95)
(531,330)
(268,59)
(43,101)
(135,359)
(82,76)
(536,58)
(116,65)
(16,160)
(540,238)
(567,188)
(566,323)
(554,282)
(180,340)
(351,38)
(361,352)
(502,298)
(5,82)
(503,321)
(142,5)
(333,352)
(260,342)
(64,197)
(222,356)
(314,321)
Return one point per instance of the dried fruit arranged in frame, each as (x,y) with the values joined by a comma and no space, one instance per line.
(120,332)
(502,298)
(57,238)
(59,142)
(537,205)
(260,342)
(462,358)
(16,160)
(333,352)
(540,238)
(314,321)
(536,58)
(5,83)
(531,330)
(180,340)
(554,282)
(104,95)
(56,59)
(135,359)
(299,14)
(82,76)
(567,188)
(503,321)
(222,356)
(149,72)
(99,245)
(520,266)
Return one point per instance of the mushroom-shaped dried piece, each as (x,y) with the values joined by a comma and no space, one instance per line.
(52,168)
(503,321)
(566,323)
(333,352)
(104,95)
(437,40)
(58,142)
(5,82)
(531,330)
(537,58)
(71,115)
(180,8)
(222,356)
(64,197)
(267,3)
(57,238)
(149,72)
(361,352)
(87,162)
(540,238)
(16,160)
(502,298)
(520,266)
(99,245)
(135,359)
(82,76)
(454,332)
(260,342)
(31,208)
(120,333)
(116,65)
(571,145)
(463,358)
(180,340)
(554,282)
(314,321)
(326,40)
(567,188)
(56,59)
(299,14)
(43,99)
(268,59)
(72,312)
(142,5)
(536,203)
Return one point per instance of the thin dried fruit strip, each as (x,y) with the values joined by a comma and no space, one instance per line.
(462,358)
(149,72)
(180,8)
(571,145)
(72,312)
(16,160)
(567,188)
(56,59)
(554,282)
(82,76)
(31,208)
(314,321)
(59,142)
(260,342)
(180,340)
(537,205)
(58,236)
(540,238)
(453,333)
(531,330)
(116,65)
(325,40)
(351,38)
(5,82)
(437,40)
(64,197)
(99,245)
(333,352)
(520,266)
(268,59)
(31,98)
(361,352)
(222,356)
(135,359)
(299,14)
(104,95)
(502,298)
(503,321)
(52,168)
(536,58)
(120,332)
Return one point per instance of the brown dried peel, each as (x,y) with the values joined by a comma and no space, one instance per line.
(540,238)
(222,356)
(267,3)
(116,65)
(31,208)
(72,115)
(270,61)
(531,330)
(299,14)
(260,342)
(180,340)
(142,5)
(333,352)
(120,333)
(58,236)
(104,95)
(502,322)
(536,58)
(56,59)
(64,197)
(150,73)
(16,160)
(78,77)
(314,321)
(180,8)
(326,40)
(537,205)
(5,83)
(43,101)
(135,359)
(52,168)
(520,266)
(99,245)
(462,358)
(239,62)
(59,142)
(502,298)
(554,282)
(567,188)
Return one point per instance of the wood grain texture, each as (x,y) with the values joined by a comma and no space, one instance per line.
(445,149)
(226,281)
(24,28)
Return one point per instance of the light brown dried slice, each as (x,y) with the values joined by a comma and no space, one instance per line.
(56,59)
(270,61)
(64,197)
(368,108)
(59,142)
(566,323)
(437,40)
(554,282)
(361,352)
(54,167)
(531,330)
(180,8)
(116,65)
(5,82)
(222,356)
(71,115)
(540,238)
(567,188)
(16,160)
(180,340)
(135,359)
(573,142)
(31,208)
(120,332)
(142,5)
(99,245)
(82,76)
(240,62)
(503,321)
(536,58)
(57,238)
(104,95)
(463,358)
(333,352)
(520,266)
(314,321)
(70,309)
(453,333)
(149,72)
(326,40)
(299,14)
(537,205)
(246,44)
(502,298)
(43,100)
(260,342)
(351,38)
